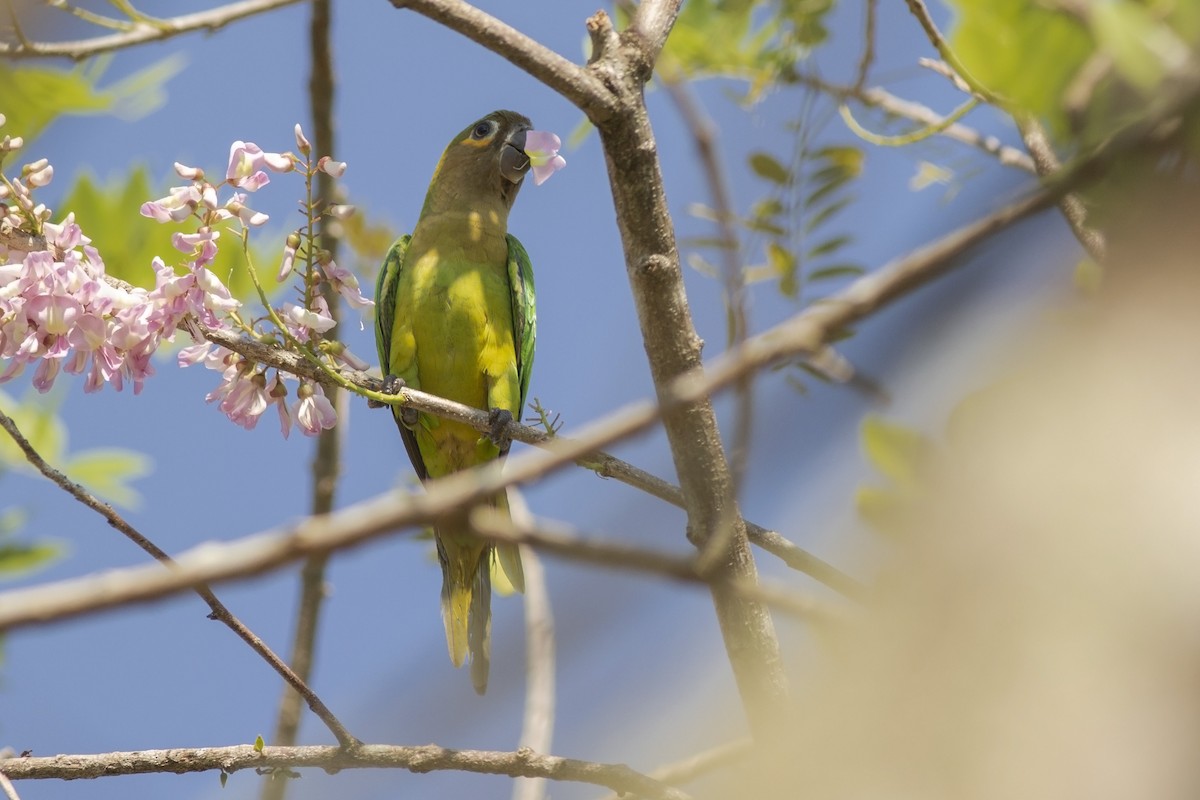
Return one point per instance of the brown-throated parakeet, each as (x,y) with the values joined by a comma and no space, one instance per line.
(455,318)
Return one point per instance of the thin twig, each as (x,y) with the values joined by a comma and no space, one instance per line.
(686,770)
(889,103)
(327,459)
(868,54)
(921,12)
(561,540)
(420,759)
(537,727)
(10,791)
(219,611)
(209,20)
(1047,164)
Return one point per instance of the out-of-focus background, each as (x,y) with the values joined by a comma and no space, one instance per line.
(643,677)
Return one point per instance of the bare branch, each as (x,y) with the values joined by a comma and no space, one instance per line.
(420,758)
(652,22)
(537,728)
(868,53)
(210,20)
(570,80)
(560,540)
(603,464)
(327,459)
(1047,164)
(219,611)
(10,791)
(688,769)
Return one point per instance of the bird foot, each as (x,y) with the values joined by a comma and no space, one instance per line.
(392,384)
(498,420)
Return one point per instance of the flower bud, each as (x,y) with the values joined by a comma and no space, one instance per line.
(330,167)
(302,143)
(188,173)
(42,176)
(341,211)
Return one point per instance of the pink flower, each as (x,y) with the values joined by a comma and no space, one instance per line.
(175,207)
(346,284)
(289,257)
(277,396)
(330,167)
(202,246)
(313,411)
(542,149)
(246,400)
(249,217)
(302,322)
(246,161)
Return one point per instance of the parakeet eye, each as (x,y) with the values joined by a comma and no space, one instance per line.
(482,130)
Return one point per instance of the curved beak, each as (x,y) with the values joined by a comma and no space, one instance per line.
(513,161)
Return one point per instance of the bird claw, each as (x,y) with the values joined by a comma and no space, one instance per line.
(498,420)
(392,384)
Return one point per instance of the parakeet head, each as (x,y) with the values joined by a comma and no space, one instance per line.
(485,160)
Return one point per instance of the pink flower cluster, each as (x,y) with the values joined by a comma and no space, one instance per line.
(59,313)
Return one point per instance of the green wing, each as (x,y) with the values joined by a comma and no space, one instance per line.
(524,313)
(385,300)
(385,320)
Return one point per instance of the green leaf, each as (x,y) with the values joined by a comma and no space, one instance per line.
(824,214)
(770,207)
(1140,46)
(19,558)
(897,452)
(128,242)
(846,158)
(33,97)
(828,246)
(259,744)
(784,263)
(11,520)
(1027,50)
(108,471)
(836,271)
(38,421)
(766,166)
(1088,277)
(224,778)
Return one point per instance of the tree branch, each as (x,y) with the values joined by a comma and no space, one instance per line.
(219,611)
(688,769)
(562,541)
(652,22)
(1046,162)
(210,20)
(326,464)
(573,82)
(537,728)
(10,791)
(603,464)
(419,759)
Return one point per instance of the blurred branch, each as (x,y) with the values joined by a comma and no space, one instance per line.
(688,769)
(142,32)
(327,459)
(868,54)
(704,136)
(1047,164)
(219,611)
(890,104)
(561,540)
(419,759)
(537,728)
(10,791)
(579,85)
(921,12)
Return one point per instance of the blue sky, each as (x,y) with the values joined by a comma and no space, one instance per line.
(634,654)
